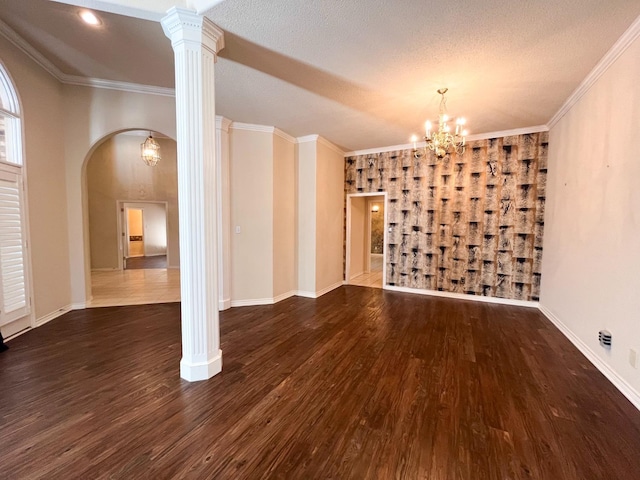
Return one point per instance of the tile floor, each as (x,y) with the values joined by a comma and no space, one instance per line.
(134,287)
(373,278)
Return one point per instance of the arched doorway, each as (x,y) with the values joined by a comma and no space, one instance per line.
(118,183)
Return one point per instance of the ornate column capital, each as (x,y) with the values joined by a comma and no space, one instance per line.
(186,28)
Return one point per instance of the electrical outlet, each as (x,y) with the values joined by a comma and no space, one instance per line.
(633,358)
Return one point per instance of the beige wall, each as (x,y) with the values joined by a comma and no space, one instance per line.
(285,273)
(357,232)
(90,115)
(591,263)
(330,217)
(251,157)
(115,173)
(306,170)
(42,111)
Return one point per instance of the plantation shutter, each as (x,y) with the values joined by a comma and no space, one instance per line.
(13,291)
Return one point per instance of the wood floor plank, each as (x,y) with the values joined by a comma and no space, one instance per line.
(360,383)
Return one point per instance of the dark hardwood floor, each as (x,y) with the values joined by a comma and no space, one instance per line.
(156,261)
(360,383)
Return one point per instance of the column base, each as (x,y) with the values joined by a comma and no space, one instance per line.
(195,372)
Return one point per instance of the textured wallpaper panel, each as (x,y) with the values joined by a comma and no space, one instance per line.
(470,223)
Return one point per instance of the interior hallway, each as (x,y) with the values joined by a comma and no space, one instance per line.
(372,279)
(134,287)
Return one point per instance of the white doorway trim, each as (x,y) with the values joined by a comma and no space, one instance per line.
(347,269)
(122,228)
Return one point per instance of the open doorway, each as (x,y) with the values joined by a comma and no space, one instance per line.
(133,222)
(143,227)
(366,240)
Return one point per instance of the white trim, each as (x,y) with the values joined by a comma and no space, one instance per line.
(307,138)
(319,293)
(195,372)
(117,85)
(18,333)
(202,6)
(627,390)
(354,275)
(508,133)
(284,135)
(306,294)
(262,301)
(618,48)
(252,127)
(118,9)
(19,42)
(224,304)
(463,296)
(7,32)
(284,296)
(330,145)
(250,302)
(223,123)
(325,290)
(78,306)
(53,315)
(318,139)
(470,138)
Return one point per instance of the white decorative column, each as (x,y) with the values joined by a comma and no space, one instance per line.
(196,41)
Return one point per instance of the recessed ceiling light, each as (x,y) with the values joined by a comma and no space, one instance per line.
(90,18)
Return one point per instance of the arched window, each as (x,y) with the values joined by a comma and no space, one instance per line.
(10,130)
(14,296)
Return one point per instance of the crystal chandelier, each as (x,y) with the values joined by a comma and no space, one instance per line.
(150,151)
(442,141)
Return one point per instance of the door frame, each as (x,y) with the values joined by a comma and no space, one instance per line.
(126,242)
(347,265)
(122,228)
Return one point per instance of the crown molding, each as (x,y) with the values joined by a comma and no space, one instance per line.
(222,123)
(116,85)
(307,138)
(116,8)
(470,138)
(330,145)
(202,6)
(508,133)
(285,136)
(28,49)
(250,127)
(618,48)
(10,34)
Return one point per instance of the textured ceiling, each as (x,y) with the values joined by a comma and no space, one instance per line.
(363,74)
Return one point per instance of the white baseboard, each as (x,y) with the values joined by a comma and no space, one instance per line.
(17,334)
(50,316)
(306,294)
(224,304)
(78,306)
(357,275)
(262,301)
(284,296)
(463,296)
(251,302)
(319,293)
(621,384)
